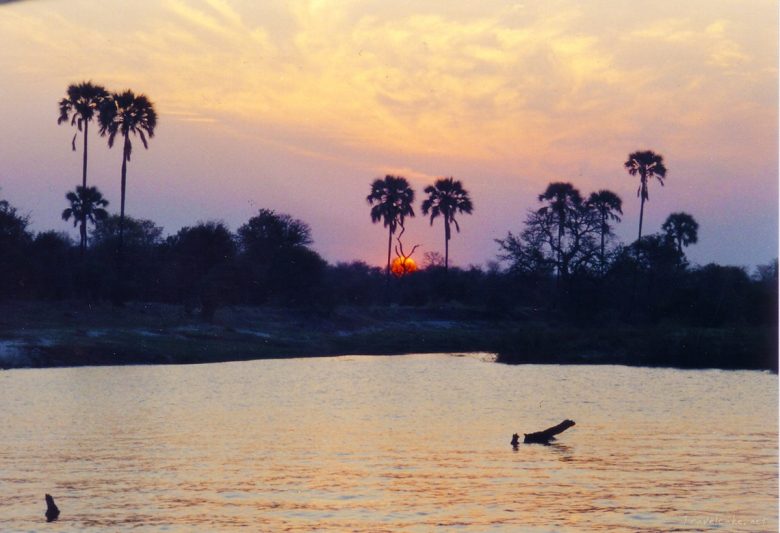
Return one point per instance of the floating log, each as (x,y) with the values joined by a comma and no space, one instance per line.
(544,437)
(52,511)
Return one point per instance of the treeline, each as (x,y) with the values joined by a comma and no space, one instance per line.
(565,264)
(545,273)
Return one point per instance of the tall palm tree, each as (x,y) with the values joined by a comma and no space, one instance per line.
(123,114)
(82,102)
(682,229)
(562,199)
(447,197)
(86,205)
(608,206)
(392,200)
(648,165)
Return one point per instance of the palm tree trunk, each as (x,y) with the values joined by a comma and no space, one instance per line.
(386,296)
(389,247)
(83,230)
(560,250)
(641,215)
(125,151)
(83,234)
(446,245)
(84,166)
(119,293)
(642,195)
(603,232)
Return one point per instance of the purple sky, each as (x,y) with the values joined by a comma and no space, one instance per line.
(297,106)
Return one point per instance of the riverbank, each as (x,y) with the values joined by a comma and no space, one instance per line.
(38,334)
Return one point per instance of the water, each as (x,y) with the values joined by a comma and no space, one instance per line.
(411,443)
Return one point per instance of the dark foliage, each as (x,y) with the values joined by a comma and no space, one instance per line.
(49,252)
(276,263)
(142,271)
(202,260)
(14,243)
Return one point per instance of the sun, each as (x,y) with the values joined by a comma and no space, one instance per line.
(402,266)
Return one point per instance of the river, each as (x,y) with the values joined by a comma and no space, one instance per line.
(400,443)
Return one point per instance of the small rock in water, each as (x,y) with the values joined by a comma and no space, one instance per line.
(52,511)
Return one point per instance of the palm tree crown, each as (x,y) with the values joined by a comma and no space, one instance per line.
(682,229)
(126,113)
(391,199)
(561,199)
(648,165)
(446,198)
(82,102)
(86,205)
(607,204)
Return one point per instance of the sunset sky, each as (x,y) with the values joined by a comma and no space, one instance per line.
(297,106)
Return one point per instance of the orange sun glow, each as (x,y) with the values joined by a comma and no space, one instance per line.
(402,266)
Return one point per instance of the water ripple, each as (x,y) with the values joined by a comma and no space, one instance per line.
(411,444)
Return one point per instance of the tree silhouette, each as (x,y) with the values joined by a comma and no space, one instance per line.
(51,265)
(527,251)
(269,231)
(275,258)
(14,246)
(82,102)
(138,274)
(682,229)
(203,255)
(560,236)
(140,234)
(123,114)
(609,206)
(86,205)
(648,165)
(563,200)
(446,198)
(391,199)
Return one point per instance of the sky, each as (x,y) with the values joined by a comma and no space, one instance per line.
(297,106)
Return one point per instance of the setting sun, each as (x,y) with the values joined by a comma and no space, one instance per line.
(402,266)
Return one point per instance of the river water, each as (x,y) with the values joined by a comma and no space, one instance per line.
(401,443)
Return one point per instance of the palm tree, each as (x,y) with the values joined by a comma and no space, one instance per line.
(648,165)
(682,229)
(392,200)
(83,101)
(608,206)
(126,113)
(562,200)
(86,204)
(447,197)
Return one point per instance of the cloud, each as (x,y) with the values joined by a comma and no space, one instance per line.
(512,80)
(415,176)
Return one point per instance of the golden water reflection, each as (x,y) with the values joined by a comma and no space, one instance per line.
(413,443)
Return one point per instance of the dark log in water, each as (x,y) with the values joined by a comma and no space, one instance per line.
(52,511)
(544,437)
